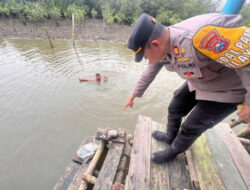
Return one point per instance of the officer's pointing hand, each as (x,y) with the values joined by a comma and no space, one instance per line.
(245,113)
(130,102)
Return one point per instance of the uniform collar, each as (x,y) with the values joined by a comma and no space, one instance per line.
(175,42)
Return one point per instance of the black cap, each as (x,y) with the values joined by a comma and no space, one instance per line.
(142,31)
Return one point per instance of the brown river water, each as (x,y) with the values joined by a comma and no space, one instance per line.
(45,112)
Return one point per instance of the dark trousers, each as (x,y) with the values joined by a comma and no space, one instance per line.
(204,115)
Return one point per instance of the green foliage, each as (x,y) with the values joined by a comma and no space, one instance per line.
(79,12)
(130,10)
(55,14)
(37,13)
(245,12)
(93,13)
(107,14)
(4,11)
(119,17)
(120,11)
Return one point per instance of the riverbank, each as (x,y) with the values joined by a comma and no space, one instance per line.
(90,29)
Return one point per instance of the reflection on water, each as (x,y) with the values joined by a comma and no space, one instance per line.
(45,112)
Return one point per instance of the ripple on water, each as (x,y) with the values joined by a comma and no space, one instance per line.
(46,110)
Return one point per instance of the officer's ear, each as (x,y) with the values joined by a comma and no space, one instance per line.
(155,43)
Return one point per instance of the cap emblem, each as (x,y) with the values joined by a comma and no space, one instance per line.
(138,50)
(153,19)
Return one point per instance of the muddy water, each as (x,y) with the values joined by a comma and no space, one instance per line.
(45,112)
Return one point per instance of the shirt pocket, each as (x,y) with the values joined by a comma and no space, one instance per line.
(208,74)
(188,70)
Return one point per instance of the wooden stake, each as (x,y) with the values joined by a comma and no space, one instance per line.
(244,141)
(236,122)
(89,178)
(92,166)
(245,132)
(73,29)
(50,42)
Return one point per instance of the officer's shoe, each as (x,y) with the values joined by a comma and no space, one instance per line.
(163,156)
(162,136)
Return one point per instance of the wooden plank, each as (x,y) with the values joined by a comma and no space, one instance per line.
(228,171)
(179,178)
(159,172)
(207,171)
(76,181)
(139,169)
(238,153)
(192,170)
(107,174)
(71,170)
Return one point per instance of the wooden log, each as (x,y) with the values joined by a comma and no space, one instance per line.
(139,169)
(245,132)
(77,180)
(236,122)
(159,172)
(192,170)
(237,151)
(208,173)
(89,178)
(244,141)
(222,159)
(72,169)
(107,174)
(92,165)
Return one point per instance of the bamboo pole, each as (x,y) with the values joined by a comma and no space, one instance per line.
(245,132)
(244,141)
(91,167)
(89,178)
(73,29)
(50,42)
(236,122)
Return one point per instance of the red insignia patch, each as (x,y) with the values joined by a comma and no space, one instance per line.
(189,75)
(214,42)
(176,50)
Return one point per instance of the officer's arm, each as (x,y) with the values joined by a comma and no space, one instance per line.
(145,80)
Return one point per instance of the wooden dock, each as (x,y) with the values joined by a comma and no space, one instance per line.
(216,161)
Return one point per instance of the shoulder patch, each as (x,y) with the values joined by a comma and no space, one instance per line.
(228,46)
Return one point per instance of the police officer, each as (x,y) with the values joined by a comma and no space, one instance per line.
(212,53)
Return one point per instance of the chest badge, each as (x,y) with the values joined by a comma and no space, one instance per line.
(176,50)
(189,75)
(182,59)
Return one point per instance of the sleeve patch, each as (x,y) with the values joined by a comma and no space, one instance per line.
(228,46)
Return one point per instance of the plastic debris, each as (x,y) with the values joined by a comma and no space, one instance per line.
(87,151)
(111,134)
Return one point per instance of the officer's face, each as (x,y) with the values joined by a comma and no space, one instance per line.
(154,53)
